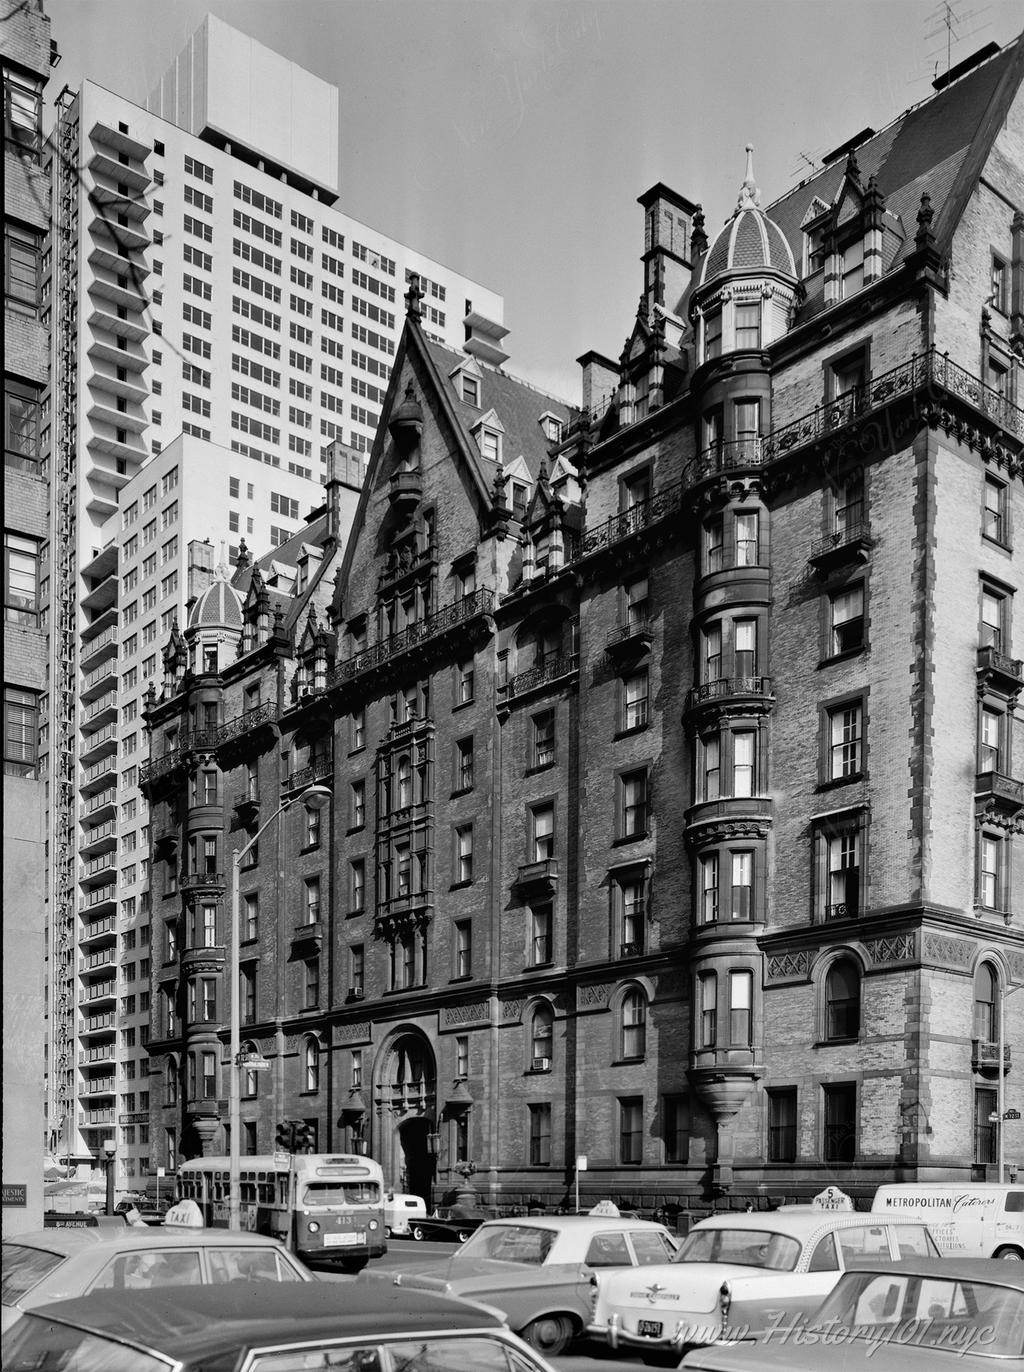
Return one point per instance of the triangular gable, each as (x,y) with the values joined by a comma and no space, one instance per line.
(309,633)
(489,420)
(814,211)
(517,470)
(469,367)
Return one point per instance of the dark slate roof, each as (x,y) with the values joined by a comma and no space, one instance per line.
(749,240)
(936,147)
(516,403)
(219,606)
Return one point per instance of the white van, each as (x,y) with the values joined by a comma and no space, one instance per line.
(402,1211)
(966,1220)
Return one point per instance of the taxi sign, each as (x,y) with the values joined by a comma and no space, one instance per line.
(606,1209)
(832,1199)
(186,1214)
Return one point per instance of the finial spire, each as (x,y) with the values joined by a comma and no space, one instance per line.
(414,298)
(750,195)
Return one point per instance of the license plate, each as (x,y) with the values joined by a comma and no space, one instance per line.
(650,1329)
(343,1240)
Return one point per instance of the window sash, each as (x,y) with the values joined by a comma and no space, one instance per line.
(635,693)
(845,736)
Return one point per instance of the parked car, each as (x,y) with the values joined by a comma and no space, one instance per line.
(450,1223)
(268,1328)
(736,1272)
(538,1269)
(918,1315)
(54,1264)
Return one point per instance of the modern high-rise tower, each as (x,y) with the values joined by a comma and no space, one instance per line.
(205,288)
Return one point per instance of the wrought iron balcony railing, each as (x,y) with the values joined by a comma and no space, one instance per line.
(631,521)
(480,602)
(551,670)
(727,687)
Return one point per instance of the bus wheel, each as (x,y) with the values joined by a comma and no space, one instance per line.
(1013,1254)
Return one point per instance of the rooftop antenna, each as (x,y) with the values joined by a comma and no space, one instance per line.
(811,164)
(949,21)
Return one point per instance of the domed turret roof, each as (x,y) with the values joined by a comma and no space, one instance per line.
(750,241)
(219,607)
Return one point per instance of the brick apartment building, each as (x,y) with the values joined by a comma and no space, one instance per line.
(673,740)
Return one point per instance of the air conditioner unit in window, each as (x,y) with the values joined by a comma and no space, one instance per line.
(542,1064)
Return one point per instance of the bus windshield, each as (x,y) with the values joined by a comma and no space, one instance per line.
(341,1193)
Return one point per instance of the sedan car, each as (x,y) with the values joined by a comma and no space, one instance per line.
(735,1273)
(918,1315)
(256,1327)
(54,1264)
(449,1223)
(538,1269)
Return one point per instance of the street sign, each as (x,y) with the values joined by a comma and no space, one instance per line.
(253,1063)
(581,1162)
(1011,1114)
(282,1159)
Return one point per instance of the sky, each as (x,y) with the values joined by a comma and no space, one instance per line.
(510,139)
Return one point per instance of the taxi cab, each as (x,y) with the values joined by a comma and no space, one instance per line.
(734,1275)
(260,1327)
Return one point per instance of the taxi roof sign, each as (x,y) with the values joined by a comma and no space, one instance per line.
(606,1208)
(832,1199)
(186,1214)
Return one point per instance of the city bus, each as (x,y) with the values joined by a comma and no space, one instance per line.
(327,1208)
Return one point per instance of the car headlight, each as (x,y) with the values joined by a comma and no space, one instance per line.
(314,1228)
(372,1224)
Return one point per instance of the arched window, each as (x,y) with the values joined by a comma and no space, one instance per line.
(842,1000)
(311,1058)
(251,1080)
(171,1082)
(986,1003)
(634,1024)
(542,1038)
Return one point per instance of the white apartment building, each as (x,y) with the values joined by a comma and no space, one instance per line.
(161,548)
(208,302)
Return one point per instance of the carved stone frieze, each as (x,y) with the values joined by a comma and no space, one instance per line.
(892,948)
(783,966)
(728,830)
(466,1014)
(594,996)
(955,952)
(512,1010)
(354,1031)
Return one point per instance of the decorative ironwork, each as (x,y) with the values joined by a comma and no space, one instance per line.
(854,539)
(191,881)
(305,776)
(631,521)
(631,950)
(551,670)
(540,874)
(841,910)
(1003,672)
(265,713)
(725,688)
(480,602)
(158,767)
(985,1056)
(726,456)
(1000,787)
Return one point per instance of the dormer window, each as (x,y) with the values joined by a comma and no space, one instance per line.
(470,387)
(490,444)
(814,249)
(851,275)
(552,427)
(520,499)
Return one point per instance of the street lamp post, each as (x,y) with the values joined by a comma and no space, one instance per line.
(1004,996)
(109,1153)
(314,798)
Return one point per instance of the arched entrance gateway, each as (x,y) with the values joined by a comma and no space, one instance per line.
(405,1104)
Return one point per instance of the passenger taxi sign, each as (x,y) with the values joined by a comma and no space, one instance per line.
(832,1199)
(186,1214)
(607,1209)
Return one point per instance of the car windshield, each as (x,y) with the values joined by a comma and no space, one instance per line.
(951,1315)
(36,1343)
(523,1243)
(745,1247)
(341,1193)
(434,1353)
(23,1268)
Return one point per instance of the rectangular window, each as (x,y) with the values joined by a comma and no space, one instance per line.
(999,295)
(986,1138)
(990,876)
(310,983)
(744,751)
(541,928)
(713,334)
(990,741)
(842,896)
(464,765)
(540,1135)
(357,883)
(742,885)
(993,619)
(463,854)
(741,993)
(675,1128)
(635,698)
(630,893)
(21,732)
(631,1130)
(22,425)
(712,643)
(994,525)
(846,621)
(707,1035)
(358,804)
(745,536)
(543,738)
(463,948)
(851,273)
(21,580)
(782,1124)
(840,1121)
(357,968)
(464,684)
(709,888)
(845,741)
(22,252)
(748,326)
(251,916)
(634,812)
(23,116)
(711,755)
(311,910)
(542,825)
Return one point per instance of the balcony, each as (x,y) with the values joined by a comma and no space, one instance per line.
(105,410)
(104,740)
(316,771)
(100,991)
(843,909)
(201,881)
(999,672)
(159,770)
(99,680)
(108,137)
(985,1057)
(98,869)
(105,705)
(98,1024)
(634,949)
(113,203)
(99,1086)
(100,835)
(459,615)
(106,319)
(94,777)
(405,489)
(211,956)
(311,931)
(113,260)
(96,805)
(546,674)
(247,808)
(104,1053)
(849,544)
(100,961)
(106,642)
(242,729)
(91,1119)
(996,793)
(737,454)
(756,689)
(103,895)
(124,174)
(97,929)
(632,521)
(539,877)
(630,640)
